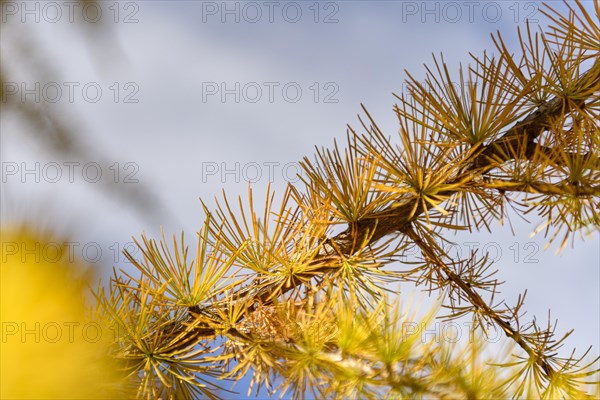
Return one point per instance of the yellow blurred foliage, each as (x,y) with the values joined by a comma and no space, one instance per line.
(50,345)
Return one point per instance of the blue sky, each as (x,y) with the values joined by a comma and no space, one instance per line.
(180,138)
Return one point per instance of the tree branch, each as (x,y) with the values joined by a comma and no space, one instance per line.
(397,219)
(479,303)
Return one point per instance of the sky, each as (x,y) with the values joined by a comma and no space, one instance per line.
(177,100)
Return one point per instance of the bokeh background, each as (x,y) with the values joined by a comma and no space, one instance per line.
(172,101)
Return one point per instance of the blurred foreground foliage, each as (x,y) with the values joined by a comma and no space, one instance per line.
(53,345)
